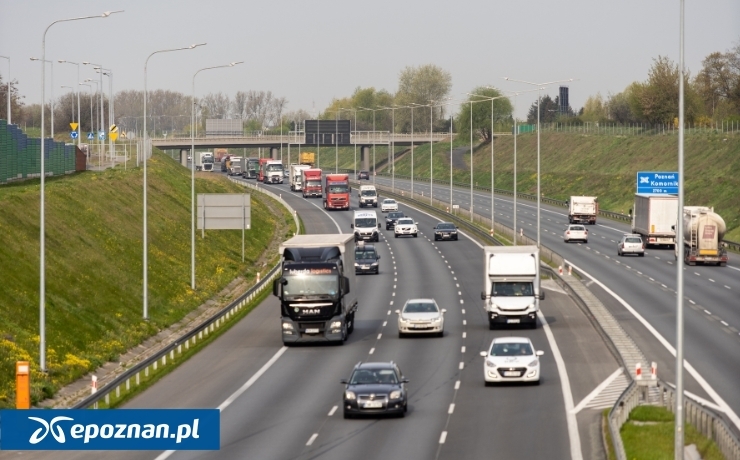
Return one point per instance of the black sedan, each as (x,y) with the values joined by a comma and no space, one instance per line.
(445,231)
(366,258)
(375,389)
(391,218)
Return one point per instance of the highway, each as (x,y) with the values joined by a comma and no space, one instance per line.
(285,403)
(648,286)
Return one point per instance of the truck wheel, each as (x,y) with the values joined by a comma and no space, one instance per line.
(351,325)
(401,335)
(491,325)
(642,254)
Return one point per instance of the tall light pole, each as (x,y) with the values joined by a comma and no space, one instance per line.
(52,92)
(42,245)
(471,161)
(679,421)
(100,126)
(108,73)
(79,128)
(373,168)
(540,86)
(412,104)
(192,171)
(145,283)
(101,114)
(9,93)
(92,128)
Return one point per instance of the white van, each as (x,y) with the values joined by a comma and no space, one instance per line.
(368,196)
(366,226)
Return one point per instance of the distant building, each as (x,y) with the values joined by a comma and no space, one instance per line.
(564,104)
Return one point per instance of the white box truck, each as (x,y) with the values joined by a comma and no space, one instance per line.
(316,288)
(654,216)
(511,286)
(583,210)
(368,196)
(296,177)
(366,225)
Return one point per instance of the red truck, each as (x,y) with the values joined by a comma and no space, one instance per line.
(311,182)
(336,193)
(260,172)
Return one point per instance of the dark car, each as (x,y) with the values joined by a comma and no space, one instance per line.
(366,258)
(375,389)
(445,231)
(363,175)
(391,218)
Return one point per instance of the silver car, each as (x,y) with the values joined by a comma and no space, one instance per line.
(631,244)
(576,232)
(421,316)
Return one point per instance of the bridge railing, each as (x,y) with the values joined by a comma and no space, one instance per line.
(356,137)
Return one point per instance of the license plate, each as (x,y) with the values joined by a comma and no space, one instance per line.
(373,405)
(420,326)
(511,374)
(513,321)
(312,330)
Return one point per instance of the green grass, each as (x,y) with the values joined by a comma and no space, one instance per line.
(94,265)
(653,440)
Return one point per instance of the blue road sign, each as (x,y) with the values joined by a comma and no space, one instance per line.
(73,134)
(91,136)
(101,135)
(664,182)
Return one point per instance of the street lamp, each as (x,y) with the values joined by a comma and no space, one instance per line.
(100,113)
(92,128)
(678,445)
(79,129)
(9,93)
(100,126)
(42,245)
(108,73)
(539,86)
(411,106)
(52,93)
(192,172)
(146,154)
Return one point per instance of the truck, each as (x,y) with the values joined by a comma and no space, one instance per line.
(307,158)
(368,196)
(296,177)
(583,210)
(366,225)
(511,285)
(261,170)
(336,191)
(272,172)
(231,165)
(654,216)
(253,166)
(316,288)
(703,232)
(312,182)
(220,153)
(204,161)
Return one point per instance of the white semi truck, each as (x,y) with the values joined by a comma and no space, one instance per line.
(296,177)
(511,285)
(654,217)
(272,172)
(316,288)
(204,161)
(583,210)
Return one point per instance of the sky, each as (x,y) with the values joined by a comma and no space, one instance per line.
(311,52)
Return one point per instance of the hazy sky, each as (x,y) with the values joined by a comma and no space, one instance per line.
(313,51)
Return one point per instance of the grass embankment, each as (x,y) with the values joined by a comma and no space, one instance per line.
(94,265)
(601,165)
(649,434)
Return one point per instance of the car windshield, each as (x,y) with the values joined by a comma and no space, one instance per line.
(445,227)
(577,228)
(312,183)
(304,285)
(420,307)
(395,215)
(389,201)
(511,349)
(207,159)
(368,193)
(339,188)
(365,222)
(373,377)
(405,221)
(274,167)
(364,254)
(512,289)
(633,240)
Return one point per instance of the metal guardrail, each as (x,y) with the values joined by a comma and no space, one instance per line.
(131,378)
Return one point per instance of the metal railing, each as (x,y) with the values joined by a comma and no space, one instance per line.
(131,378)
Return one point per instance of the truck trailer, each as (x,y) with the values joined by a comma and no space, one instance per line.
(703,232)
(316,288)
(307,158)
(296,177)
(336,192)
(511,285)
(583,210)
(654,217)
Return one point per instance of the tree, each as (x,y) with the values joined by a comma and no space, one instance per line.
(618,107)
(218,105)
(421,85)
(718,83)
(481,113)
(16,100)
(549,110)
(594,109)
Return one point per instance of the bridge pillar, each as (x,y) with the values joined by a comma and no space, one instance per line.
(365,158)
(184,157)
(274,153)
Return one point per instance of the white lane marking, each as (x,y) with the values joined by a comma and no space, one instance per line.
(329,216)
(442,437)
(462,301)
(333,409)
(697,274)
(724,323)
(570,417)
(462,350)
(394,286)
(451,409)
(390,304)
(707,312)
(728,287)
(395,280)
(639,273)
(664,285)
(462,364)
(251,381)
(597,390)
(312,439)
(452,272)
(694,373)
(711,280)
(385,323)
(692,302)
(457,284)
(389,312)
(394,294)
(459,293)
(734,268)
(463,311)
(380,335)
(465,334)
(372,350)
(455,277)
(465,323)
(457,385)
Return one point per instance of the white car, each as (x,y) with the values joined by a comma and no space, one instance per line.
(421,316)
(389,205)
(511,359)
(575,232)
(632,244)
(405,226)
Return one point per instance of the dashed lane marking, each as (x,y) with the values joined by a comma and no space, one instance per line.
(333,409)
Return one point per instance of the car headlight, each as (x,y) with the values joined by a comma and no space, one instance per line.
(374,264)
(395,394)
(350,395)
(437,233)
(490,363)
(438,319)
(453,233)
(402,320)
(356,264)
(335,324)
(287,326)
(533,363)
